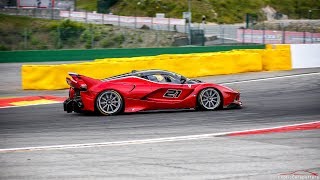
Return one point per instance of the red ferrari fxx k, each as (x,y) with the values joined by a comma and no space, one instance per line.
(146,90)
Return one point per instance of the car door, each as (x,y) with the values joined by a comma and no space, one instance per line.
(168,92)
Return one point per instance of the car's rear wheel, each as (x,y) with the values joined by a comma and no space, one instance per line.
(109,102)
(209,99)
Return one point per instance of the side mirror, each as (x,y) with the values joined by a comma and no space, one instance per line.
(183,79)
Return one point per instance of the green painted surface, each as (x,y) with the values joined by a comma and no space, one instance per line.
(78,55)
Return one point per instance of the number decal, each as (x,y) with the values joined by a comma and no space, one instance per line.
(172,93)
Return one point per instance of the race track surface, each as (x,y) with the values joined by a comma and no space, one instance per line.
(268,103)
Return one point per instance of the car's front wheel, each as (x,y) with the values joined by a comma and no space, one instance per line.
(209,99)
(109,102)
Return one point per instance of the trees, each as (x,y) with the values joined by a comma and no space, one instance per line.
(104,5)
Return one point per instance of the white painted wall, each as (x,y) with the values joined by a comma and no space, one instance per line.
(305,55)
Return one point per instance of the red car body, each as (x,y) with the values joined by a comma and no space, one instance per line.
(141,94)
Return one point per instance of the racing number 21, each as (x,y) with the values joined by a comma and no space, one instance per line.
(172,93)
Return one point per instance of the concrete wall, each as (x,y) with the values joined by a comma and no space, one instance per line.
(305,55)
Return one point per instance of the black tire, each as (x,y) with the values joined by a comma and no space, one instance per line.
(109,102)
(209,99)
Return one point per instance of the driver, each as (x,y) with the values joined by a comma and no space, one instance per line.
(159,77)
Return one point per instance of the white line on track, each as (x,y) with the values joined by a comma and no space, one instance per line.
(142,141)
(272,78)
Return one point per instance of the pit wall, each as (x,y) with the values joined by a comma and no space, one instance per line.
(192,65)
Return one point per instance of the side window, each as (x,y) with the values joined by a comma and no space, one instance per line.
(156,78)
(171,79)
(163,78)
(144,77)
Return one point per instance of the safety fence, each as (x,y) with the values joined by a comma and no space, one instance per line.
(189,65)
(89,37)
(276,37)
(284,32)
(169,24)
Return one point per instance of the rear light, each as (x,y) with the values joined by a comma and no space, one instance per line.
(83,87)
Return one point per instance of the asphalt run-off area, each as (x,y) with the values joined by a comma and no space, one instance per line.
(276,135)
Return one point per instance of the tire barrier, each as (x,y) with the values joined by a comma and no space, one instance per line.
(51,77)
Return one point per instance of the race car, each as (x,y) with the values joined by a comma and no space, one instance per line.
(146,90)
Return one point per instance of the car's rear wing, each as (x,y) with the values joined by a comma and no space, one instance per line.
(81,82)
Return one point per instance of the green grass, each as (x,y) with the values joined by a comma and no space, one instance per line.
(89,5)
(220,11)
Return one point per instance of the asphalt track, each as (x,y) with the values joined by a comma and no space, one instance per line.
(268,103)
